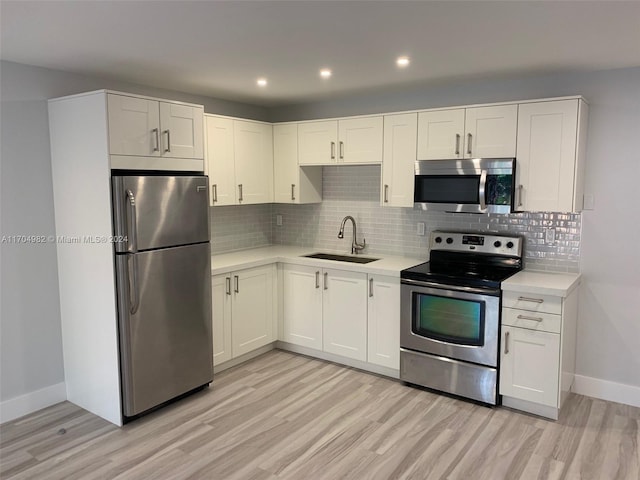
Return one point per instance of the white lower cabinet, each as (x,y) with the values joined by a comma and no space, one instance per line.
(538,349)
(383,336)
(325,309)
(243,311)
(344,313)
(302,306)
(530,365)
(221,298)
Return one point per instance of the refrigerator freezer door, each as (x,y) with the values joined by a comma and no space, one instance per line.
(160,211)
(166,346)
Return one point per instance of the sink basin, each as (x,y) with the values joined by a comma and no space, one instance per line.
(341,258)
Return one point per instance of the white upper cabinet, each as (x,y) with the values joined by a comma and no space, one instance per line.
(239,160)
(182,131)
(360,140)
(146,127)
(220,160)
(317,142)
(477,132)
(490,132)
(253,144)
(398,163)
(550,155)
(440,134)
(348,141)
(134,126)
(292,183)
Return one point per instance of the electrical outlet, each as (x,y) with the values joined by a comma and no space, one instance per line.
(279,220)
(420,229)
(589,202)
(549,235)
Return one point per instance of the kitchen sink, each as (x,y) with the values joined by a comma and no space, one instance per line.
(341,258)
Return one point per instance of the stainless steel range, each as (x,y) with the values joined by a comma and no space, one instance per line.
(450,313)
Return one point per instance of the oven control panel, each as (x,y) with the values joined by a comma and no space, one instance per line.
(490,243)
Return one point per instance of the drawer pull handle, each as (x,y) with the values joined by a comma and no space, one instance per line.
(533,300)
(526,317)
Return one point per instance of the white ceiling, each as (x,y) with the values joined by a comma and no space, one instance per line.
(219,49)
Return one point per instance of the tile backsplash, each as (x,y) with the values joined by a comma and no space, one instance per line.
(355,191)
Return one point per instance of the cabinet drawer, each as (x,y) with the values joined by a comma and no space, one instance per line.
(543,322)
(532,302)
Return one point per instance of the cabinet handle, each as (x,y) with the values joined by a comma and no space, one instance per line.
(342,150)
(386,194)
(520,187)
(326,281)
(237,283)
(156,131)
(214,192)
(371,287)
(333,150)
(168,149)
(469,138)
(240,193)
(228,282)
(293,191)
(526,317)
(317,279)
(506,343)
(532,300)
(457,144)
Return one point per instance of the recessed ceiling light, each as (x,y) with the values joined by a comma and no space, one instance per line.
(403,62)
(325,73)
(262,82)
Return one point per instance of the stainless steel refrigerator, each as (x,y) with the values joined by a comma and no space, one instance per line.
(163,275)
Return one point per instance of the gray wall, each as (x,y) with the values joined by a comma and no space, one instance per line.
(30,336)
(609,326)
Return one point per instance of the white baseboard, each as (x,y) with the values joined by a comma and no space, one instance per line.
(32,402)
(606,390)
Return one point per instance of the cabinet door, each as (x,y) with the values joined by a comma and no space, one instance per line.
(490,132)
(530,361)
(360,140)
(181,130)
(134,126)
(253,309)
(440,134)
(344,314)
(302,306)
(286,176)
(318,143)
(383,344)
(220,160)
(546,155)
(221,295)
(398,163)
(253,145)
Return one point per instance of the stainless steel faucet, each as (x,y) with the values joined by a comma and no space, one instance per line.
(355,246)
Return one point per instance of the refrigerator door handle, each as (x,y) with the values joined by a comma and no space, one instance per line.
(133,240)
(133,282)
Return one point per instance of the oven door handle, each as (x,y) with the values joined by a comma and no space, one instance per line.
(458,288)
(482,190)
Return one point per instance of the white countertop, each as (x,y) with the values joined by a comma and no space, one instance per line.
(389,265)
(544,283)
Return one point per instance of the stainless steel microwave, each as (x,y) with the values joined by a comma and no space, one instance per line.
(475,185)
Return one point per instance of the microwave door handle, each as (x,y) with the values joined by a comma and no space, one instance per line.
(482,190)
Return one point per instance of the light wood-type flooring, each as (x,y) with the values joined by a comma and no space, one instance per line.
(288,416)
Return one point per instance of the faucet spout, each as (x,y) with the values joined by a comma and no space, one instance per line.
(355,246)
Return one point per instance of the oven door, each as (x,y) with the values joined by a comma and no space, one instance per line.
(455,322)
